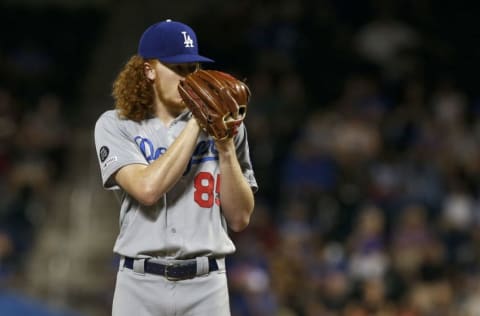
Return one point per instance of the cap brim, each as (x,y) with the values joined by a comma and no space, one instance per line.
(182,59)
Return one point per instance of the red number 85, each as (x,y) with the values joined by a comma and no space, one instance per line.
(204,194)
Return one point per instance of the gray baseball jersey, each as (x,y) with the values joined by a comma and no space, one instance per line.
(187,221)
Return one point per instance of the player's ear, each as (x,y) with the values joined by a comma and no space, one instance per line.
(149,71)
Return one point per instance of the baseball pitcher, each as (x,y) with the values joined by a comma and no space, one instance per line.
(175,151)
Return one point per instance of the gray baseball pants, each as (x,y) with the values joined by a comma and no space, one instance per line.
(153,295)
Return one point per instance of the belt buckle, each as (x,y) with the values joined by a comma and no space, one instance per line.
(165,272)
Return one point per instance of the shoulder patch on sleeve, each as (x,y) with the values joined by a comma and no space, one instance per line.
(104,151)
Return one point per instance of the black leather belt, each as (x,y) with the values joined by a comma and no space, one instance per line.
(178,270)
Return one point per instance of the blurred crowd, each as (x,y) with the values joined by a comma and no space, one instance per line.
(41,62)
(367,149)
(364,130)
(33,153)
(35,91)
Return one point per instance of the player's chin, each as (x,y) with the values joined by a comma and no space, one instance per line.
(177,103)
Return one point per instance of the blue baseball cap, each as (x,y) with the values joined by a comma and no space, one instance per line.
(170,42)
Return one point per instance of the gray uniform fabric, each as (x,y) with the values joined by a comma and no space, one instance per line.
(185,223)
(146,295)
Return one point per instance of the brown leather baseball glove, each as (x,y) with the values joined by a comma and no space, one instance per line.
(217,100)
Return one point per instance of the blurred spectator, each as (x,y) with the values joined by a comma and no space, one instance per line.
(41,145)
(367,246)
(389,43)
(412,239)
(17,229)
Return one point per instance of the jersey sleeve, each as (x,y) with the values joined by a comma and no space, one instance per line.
(115,148)
(243,156)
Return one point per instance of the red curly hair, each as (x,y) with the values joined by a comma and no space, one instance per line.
(133,91)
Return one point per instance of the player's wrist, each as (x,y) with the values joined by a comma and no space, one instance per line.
(224,145)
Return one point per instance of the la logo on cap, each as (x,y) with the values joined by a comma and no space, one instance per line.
(187,40)
(170,42)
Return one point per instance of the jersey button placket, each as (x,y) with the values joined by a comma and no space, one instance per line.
(170,138)
(173,130)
